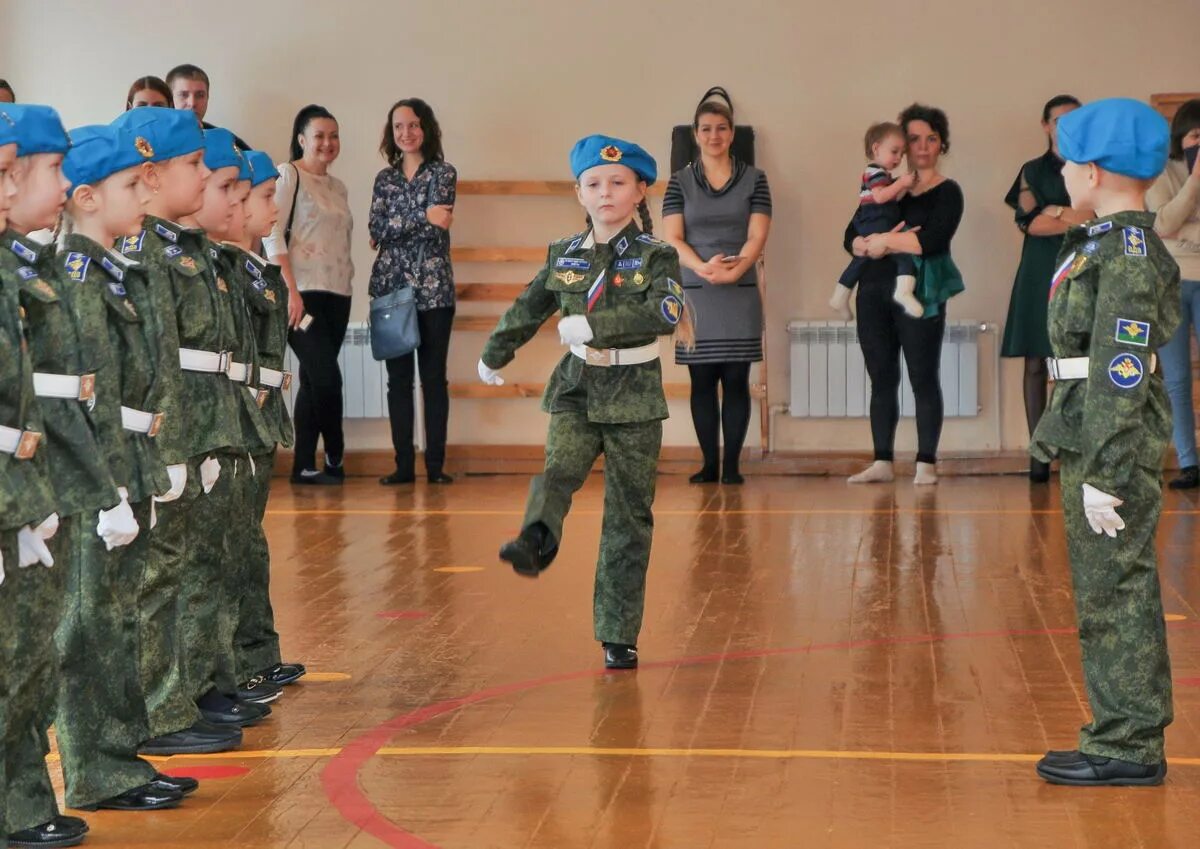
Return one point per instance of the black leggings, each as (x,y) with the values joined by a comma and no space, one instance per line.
(884,332)
(318,411)
(730,414)
(435,326)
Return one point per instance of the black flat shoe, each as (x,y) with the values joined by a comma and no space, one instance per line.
(240,714)
(1189,478)
(182,785)
(1077,769)
(258,690)
(395,478)
(144,798)
(620,656)
(203,738)
(732,479)
(338,471)
(527,552)
(1039,472)
(705,476)
(60,831)
(315,478)
(282,674)
(439,478)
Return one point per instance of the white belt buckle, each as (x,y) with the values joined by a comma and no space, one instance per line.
(599,357)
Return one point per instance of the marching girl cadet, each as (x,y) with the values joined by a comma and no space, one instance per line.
(616,288)
(100,716)
(173,259)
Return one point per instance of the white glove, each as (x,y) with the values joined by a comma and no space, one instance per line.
(1100,510)
(48,528)
(210,470)
(117,526)
(1,567)
(574,330)
(32,548)
(489,376)
(178,476)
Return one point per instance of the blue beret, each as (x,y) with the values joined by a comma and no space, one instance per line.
(166,133)
(220,151)
(101,151)
(261,167)
(38,128)
(591,151)
(8,128)
(1121,135)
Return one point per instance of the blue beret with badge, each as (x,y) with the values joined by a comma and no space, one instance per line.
(38,129)
(162,133)
(220,151)
(592,151)
(261,167)
(1120,135)
(99,151)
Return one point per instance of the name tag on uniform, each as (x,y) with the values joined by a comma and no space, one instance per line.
(572,262)
(1097,229)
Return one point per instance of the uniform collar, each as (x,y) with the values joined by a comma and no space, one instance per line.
(28,250)
(172,231)
(114,264)
(628,236)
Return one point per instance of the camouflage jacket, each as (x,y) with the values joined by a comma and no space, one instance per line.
(1115,299)
(183,282)
(629,292)
(231,266)
(128,375)
(55,332)
(26,494)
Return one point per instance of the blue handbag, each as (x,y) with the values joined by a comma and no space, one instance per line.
(393,324)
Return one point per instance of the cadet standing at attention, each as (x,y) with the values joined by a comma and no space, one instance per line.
(1114,300)
(616,287)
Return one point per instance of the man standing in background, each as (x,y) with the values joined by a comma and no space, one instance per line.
(189,89)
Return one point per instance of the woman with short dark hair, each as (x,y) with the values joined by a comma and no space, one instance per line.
(412,209)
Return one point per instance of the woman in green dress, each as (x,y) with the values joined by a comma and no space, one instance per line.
(1043,213)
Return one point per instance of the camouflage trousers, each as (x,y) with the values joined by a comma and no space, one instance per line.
(630,471)
(101,710)
(30,607)
(255,641)
(1122,633)
(162,553)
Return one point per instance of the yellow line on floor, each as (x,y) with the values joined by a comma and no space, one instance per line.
(827,512)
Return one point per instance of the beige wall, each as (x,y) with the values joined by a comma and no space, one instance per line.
(515,83)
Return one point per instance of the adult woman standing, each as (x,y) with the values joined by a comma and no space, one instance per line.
(148,91)
(1175,197)
(932,211)
(717,214)
(412,208)
(311,245)
(1043,213)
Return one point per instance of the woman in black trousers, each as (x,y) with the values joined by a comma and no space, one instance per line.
(931,211)
(412,208)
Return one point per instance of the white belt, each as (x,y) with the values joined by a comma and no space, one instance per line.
(77,387)
(238,372)
(1076,368)
(274,379)
(210,362)
(138,421)
(22,444)
(606,357)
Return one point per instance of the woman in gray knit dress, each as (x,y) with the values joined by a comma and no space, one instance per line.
(716,214)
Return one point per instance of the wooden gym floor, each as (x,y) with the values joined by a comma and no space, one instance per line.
(822,666)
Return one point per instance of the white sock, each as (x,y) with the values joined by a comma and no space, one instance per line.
(926,474)
(906,285)
(840,302)
(878,472)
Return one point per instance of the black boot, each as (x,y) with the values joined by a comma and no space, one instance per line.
(60,831)
(1189,478)
(1039,472)
(620,656)
(530,553)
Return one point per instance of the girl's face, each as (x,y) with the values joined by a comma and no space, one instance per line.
(924,145)
(216,213)
(406,130)
(181,183)
(261,210)
(237,223)
(1081,181)
(714,135)
(8,187)
(1050,125)
(121,201)
(610,193)
(1191,138)
(320,141)
(147,97)
(889,151)
(41,192)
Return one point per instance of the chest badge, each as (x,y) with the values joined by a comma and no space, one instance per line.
(568,278)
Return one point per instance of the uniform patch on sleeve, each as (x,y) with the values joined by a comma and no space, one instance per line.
(76,265)
(1126,371)
(674,288)
(672,309)
(1135,241)
(1097,229)
(1131,332)
(132,244)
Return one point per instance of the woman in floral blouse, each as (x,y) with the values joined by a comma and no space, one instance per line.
(412,208)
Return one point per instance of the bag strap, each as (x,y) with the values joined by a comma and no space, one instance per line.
(287,232)
(720,92)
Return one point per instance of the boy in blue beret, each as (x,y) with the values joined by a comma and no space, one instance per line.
(1114,300)
(616,288)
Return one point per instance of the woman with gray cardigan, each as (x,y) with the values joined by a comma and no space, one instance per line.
(717,214)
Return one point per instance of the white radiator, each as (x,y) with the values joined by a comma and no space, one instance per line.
(829,378)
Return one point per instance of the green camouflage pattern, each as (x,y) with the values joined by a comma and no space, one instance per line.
(231,261)
(255,640)
(267,299)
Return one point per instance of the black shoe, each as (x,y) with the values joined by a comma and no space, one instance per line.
(1039,472)
(527,552)
(620,656)
(732,479)
(334,471)
(238,713)
(1189,478)
(60,831)
(439,477)
(182,785)
(282,674)
(148,797)
(258,690)
(1080,770)
(311,477)
(396,478)
(201,739)
(705,475)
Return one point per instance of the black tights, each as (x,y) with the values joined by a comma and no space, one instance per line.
(731,413)
(1035,391)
